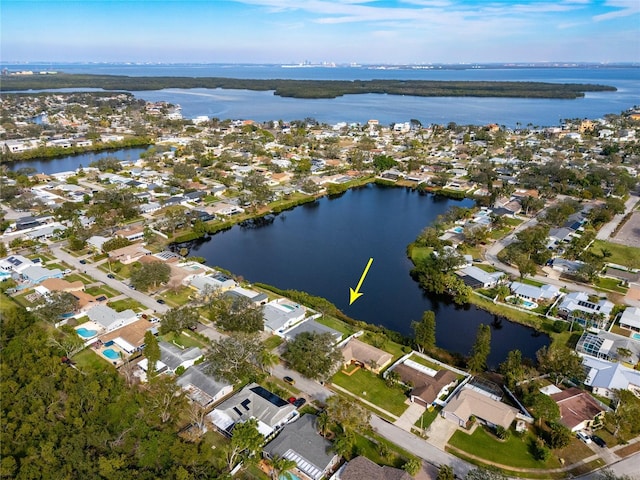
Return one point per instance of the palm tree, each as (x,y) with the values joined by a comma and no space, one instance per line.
(322,423)
(280,467)
(266,359)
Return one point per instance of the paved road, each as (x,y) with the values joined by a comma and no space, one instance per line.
(630,466)
(419,447)
(95,272)
(313,389)
(605,232)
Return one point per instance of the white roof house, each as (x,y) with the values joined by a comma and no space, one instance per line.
(604,377)
(533,293)
(577,306)
(630,318)
(214,282)
(109,319)
(477,278)
(281,314)
(202,388)
(253,401)
(15,263)
(35,274)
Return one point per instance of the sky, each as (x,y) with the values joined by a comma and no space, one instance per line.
(316,31)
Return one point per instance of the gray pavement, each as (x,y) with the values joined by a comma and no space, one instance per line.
(93,271)
(605,232)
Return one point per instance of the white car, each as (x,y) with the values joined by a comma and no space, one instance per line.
(584,437)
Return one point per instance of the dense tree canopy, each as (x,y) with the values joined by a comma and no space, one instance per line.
(312,354)
(150,274)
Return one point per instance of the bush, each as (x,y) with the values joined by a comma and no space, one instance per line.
(540,450)
(502,433)
(559,326)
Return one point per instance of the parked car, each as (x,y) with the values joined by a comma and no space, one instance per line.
(83,262)
(300,402)
(584,437)
(292,399)
(161,301)
(110,275)
(598,441)
(289,380)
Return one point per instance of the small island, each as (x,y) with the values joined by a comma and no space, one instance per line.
(308,88)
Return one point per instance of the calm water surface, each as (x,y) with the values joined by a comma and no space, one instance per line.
(322,248)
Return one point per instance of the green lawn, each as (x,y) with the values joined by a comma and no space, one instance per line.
(368,448)
(425,362)
(513,222)
(178,297)
(393,348)
(620,254)
(340,326)
(513,452)
(611,284)
(272,342)
(420,253)
(22,300)
(88,359)
(182,339)
(78,277)
(97,291)
(52,266)
(370,387)
(427,418)
(125,303)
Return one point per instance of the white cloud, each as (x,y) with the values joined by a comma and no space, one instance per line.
(625,8)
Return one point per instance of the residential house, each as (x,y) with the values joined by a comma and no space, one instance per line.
(86,301)
(605,377)
(630,319)
(128,254)
(96,242)
(35,274)
(174,357)
(132,233)
(281,314)
(216,281)
(130,336)
(365,355)
(203,388)
(608,346)
(311,326)
(428,384)
(577,306)
(255,297)
(578,409)
(467,403)
(253,401)
(477,278)
(300,442)
(533,293)
(566,266)
(362,468)
(109,319)
(223,208)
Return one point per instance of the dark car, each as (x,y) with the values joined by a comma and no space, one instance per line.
(289,380)
(598,441)
(83,262)
(300,402)
(110,275)
(160,301)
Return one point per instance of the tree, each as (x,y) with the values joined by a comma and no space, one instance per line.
(67,340)
(280,467)
(512,369)
(56,304)
(425,331)
(179,318)
(544,408)
(150,274)
(3,250)
(561,363)
(624,419)
(165,400)
(234,357)
(238,315)
(480,350)
(151,352)
(115,243)
(559,436)
(256,184)
(246,440)
(346,414)
(412,466)
(312,354)
(445,472)
(383,162)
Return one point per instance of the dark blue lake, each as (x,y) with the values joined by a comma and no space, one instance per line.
(322,248)
(72,162)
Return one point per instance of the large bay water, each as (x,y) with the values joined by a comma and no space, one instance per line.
(323,248)
(263,106)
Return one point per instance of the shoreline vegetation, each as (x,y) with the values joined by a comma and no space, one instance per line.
(309,89)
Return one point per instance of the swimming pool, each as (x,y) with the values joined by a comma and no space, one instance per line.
(458,229)
(111,354)
(529,304)
(84,333)
(636,336)
(291,476)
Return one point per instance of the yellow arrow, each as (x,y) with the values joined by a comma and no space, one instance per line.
(355,294)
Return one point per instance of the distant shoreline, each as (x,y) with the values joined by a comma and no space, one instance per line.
(308,89)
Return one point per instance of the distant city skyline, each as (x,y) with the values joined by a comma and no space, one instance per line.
(317,31)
